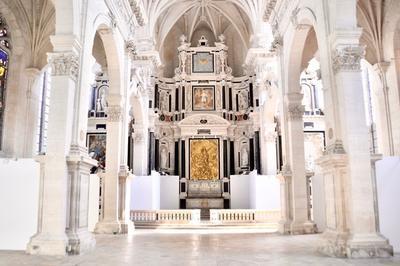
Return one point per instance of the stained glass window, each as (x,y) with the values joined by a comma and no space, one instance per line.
(4,47)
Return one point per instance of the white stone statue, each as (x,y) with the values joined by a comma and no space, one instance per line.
(243,100)
(164,102)
(244,157)
(101,102)
(164,158)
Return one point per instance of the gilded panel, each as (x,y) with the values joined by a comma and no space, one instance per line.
(204,159)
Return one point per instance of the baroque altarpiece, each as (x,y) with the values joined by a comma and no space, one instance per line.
(207,127)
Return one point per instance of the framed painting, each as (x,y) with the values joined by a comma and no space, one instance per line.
(204,159)
(96,143)
(203,98)
(202,62)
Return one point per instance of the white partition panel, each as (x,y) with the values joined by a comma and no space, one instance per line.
(318,202)
(145,192)
(388,186)
(19,199)
(169,192)
(240,192)
(264,192)
(94,190)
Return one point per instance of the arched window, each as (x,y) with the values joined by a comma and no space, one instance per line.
(4,62)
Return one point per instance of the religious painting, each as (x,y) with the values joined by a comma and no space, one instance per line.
(203,98)
(204,159)
(96,143)
(203,62)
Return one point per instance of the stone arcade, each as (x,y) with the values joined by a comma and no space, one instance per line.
(278,114)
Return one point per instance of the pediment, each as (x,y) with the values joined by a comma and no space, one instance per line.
(204,120)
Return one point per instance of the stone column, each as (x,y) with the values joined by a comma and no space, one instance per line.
(31,111)
(384,121)
(351,229)
(300,223)
(51,238)
(268,153)
(140,150)
(110,223)
(79,165)
(285,179)
(125,177)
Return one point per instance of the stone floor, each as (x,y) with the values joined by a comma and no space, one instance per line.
(196,247)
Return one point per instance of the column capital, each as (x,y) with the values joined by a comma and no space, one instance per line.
(114,113)
(295,111)
(347,57)
(64,64)
(335,148)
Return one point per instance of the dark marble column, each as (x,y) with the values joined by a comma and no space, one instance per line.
(251,95)
(252,155)
(257,151)
(151,163)
(223,98)
(183,166)
(230,99)
(225,154)
(176,158)
(176,99)
(231,157)
(183,98)
(156,97)
(157,155)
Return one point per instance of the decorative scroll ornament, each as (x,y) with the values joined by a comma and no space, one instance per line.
(114,113)
(348,58)
(276,44)
(130,48)
(135,5)
(296,112)
(64,64)
(270,6)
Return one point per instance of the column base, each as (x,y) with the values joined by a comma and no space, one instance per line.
(127,227)
(80,242)
(303,228)
(108,227)
(47,244)
(284,227)
(356,246)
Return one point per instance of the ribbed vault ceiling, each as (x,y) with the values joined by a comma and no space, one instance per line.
(167,19)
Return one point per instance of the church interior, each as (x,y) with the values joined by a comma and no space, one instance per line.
(199,132)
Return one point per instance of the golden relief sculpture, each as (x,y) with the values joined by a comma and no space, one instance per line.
(204,159)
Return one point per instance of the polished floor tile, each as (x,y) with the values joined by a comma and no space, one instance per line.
(196,247)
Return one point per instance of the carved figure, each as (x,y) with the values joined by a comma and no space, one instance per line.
(244,158)
(164,158)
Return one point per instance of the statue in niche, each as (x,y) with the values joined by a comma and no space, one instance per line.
(244,157)
(101,103)
(243,100)
(164,158)
(164,102)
